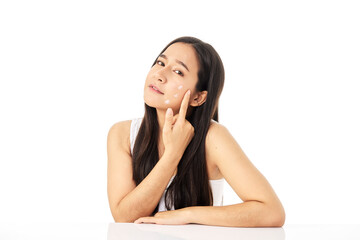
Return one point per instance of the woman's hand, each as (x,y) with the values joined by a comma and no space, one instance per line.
(177,136)
(174,217)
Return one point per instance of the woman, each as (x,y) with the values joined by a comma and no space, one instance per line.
(169,166)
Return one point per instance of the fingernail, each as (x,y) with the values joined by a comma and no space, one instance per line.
(188,92)
(168,111)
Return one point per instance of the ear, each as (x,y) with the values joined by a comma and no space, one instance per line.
(198,99)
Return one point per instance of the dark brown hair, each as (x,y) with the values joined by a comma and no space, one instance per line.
(190,186)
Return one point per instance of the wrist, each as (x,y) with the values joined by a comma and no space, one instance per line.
(188,215)
(172,155)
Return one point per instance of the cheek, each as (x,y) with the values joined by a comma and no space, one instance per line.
(176,95)
(177,91)
(147,79)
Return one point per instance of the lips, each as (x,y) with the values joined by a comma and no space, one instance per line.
(156,89)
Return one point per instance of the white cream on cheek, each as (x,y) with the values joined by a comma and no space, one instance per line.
(167,101)
(179,87)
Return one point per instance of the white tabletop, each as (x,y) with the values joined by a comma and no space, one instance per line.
(124,231)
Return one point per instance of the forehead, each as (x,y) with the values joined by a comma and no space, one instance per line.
(183,52)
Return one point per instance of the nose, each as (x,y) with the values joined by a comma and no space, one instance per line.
(161,76)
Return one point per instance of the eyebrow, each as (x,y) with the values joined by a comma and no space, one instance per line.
(178,61)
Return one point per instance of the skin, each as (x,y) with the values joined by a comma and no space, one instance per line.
(261,206)
(173,79)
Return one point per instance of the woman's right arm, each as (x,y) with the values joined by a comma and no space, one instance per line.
(129,202)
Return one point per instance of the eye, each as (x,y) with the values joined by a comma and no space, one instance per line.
(179,72)
(160,63)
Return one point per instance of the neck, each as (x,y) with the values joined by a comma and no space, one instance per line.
(161,119)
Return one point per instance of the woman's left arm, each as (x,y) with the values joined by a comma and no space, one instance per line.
(260,208)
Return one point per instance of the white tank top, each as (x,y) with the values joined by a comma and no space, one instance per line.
(217,186)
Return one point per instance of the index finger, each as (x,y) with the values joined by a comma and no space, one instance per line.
(184,105)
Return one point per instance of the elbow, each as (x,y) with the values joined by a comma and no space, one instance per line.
(123,214)
(277,218)
(120,216)
(278,221)
(122,220)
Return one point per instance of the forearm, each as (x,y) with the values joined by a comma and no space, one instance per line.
(246,214)
(144,198)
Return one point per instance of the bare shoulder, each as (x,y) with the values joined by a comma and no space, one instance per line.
(216,134)
(216,129)
(119,134)
(219,142)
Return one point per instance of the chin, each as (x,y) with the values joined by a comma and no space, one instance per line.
(152,103)
(156,102)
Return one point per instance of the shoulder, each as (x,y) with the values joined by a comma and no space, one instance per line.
(119,134)
(120,128)
(218,141)
(216,133)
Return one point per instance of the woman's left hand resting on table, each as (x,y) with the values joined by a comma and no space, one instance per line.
(174,217)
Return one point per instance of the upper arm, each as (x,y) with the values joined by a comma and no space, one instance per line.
(244,178)
(119,171)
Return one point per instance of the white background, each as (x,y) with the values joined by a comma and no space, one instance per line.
(70,69)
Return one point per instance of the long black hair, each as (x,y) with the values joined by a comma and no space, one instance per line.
(190,186)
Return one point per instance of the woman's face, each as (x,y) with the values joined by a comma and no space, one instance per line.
(174,72)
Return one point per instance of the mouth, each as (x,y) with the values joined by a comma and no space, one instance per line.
(154,88)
